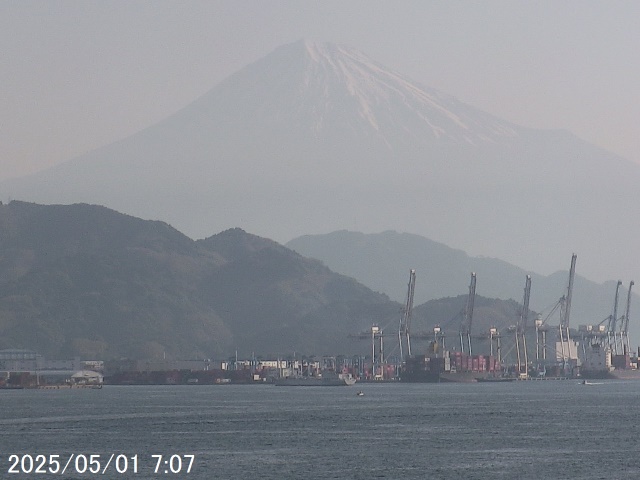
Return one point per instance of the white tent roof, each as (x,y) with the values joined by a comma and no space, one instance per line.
(89,374)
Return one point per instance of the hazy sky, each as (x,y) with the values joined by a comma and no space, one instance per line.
(79,74)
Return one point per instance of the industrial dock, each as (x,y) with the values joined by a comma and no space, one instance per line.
(545,347)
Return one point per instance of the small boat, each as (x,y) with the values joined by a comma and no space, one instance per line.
(360,393)
(584,382)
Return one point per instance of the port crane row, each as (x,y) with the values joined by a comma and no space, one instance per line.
(613,331)
(510,344)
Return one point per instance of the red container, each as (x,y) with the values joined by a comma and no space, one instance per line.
(482,363)
(490,365)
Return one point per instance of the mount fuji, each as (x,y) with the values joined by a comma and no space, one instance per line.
(314,138)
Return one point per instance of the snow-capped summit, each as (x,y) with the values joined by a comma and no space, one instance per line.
(330,90)
(376,90)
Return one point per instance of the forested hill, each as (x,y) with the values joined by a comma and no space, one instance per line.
(85,280)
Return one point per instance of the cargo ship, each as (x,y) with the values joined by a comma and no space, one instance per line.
(328,379)
(601,364)
(448,367)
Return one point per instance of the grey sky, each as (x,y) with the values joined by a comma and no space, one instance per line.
(77,75)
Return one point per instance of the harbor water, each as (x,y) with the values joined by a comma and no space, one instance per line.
(524,430)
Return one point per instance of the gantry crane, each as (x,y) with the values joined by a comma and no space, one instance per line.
(404,330)
(541,341)
(467,317)
(494,334)
(565,314)
(376,335)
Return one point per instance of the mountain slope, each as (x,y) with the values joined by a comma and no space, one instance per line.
(85,280)
(314,138)
(278,301)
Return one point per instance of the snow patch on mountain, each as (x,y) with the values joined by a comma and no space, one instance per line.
(377,89)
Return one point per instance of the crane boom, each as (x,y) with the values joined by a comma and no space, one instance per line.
(625,328)
(521,342)
(405,320)
(614,320)
(525,303)
(467,318)
(567,305)
(563,329)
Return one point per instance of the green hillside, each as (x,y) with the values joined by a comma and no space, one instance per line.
(85,280)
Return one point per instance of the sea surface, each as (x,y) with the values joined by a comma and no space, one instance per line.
(520,430)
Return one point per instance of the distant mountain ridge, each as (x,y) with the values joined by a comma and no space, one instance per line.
(318,137)
(382,261)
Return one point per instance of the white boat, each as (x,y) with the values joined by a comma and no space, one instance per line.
(584,382)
